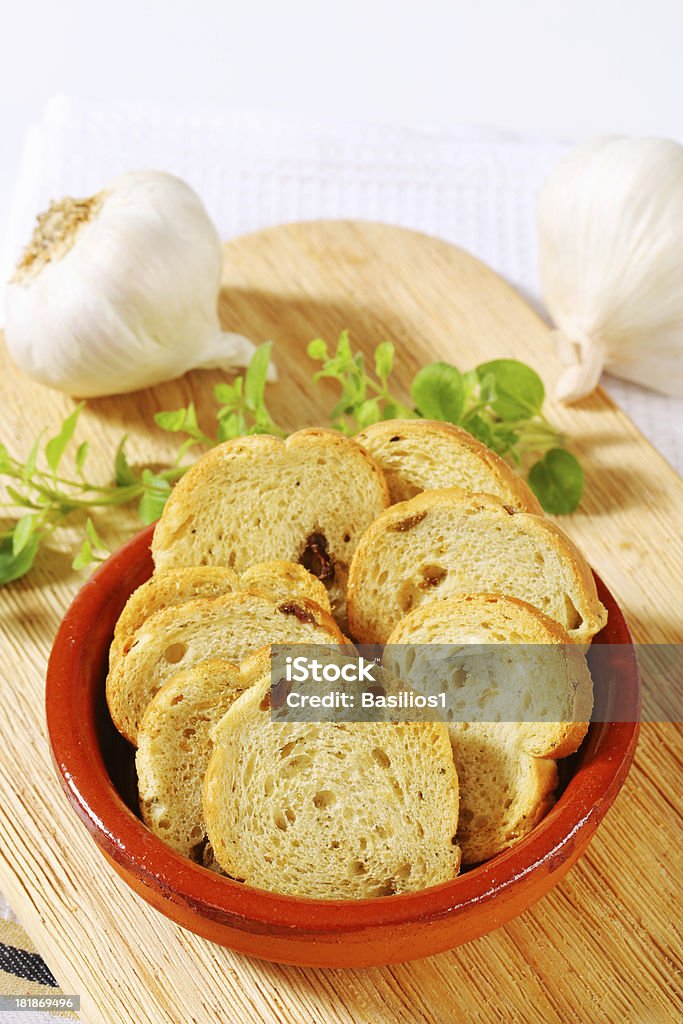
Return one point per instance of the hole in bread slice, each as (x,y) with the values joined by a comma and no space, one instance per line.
(175,653)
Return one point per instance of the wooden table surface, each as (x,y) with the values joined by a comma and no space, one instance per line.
(605,945)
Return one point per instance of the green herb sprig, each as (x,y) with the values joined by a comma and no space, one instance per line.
(48,494)
(498,402)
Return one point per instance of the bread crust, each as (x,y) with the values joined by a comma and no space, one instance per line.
(228,627)
(174,744)
(401,448)
(165,590)
(377,580)
(280,578)
(172,587)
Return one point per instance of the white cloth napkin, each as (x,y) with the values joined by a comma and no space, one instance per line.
(476,188)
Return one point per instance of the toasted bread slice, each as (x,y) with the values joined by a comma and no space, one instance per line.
(421,455)
(172,587)
(330,810)
(282,580)
(174,744)
(166,590)
(307,499)
(229,627)
(447,542)
(506,769)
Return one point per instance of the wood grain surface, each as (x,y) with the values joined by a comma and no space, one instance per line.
(605,945)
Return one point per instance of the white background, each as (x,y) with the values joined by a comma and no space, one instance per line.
(548,67)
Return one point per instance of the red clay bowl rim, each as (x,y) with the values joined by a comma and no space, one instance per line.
(126,840)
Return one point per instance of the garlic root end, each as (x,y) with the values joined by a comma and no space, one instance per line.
(232,350)
(584,359)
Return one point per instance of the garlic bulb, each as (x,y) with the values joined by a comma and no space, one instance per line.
(119,291)
(611,261)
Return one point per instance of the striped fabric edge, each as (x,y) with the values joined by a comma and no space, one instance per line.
(23,972)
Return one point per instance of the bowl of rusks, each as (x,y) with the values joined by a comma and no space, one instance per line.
(326,840)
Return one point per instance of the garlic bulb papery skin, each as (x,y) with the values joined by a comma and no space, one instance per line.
(119,292)
(611,262)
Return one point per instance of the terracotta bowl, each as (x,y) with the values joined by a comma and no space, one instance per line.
(96,768)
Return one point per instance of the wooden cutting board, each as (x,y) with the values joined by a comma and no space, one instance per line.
(603,945)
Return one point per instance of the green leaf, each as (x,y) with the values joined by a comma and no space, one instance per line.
(153,500)
(438,392)
(317,349)
(5,461)
(557,480)
(123,473)
(480,428)
(384,359)
(172,420)
(32,460)
(258,428)
(344,352)
(519,389)
(93,535)
(229,394)
(231,425)
(255,377)
(13,566)
(23,532)
(368,412)
(226,410)
(155,481)
(181,420)
(81,456)
(191,424)
(391,411)
(395,411)
(22,500)
(470,383)
(487,389)
(84,557)
(505,441)
(55,447)
(224,393)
